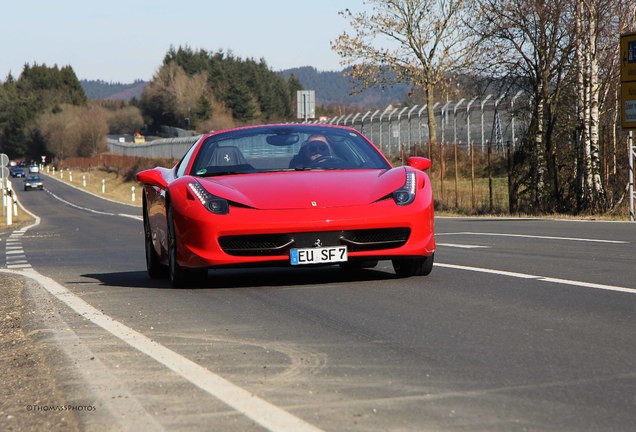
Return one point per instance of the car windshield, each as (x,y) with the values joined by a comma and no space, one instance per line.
(286,148)
(33,178)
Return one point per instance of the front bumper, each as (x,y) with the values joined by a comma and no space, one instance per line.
(202,235)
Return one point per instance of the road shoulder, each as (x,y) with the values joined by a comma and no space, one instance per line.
(29,387)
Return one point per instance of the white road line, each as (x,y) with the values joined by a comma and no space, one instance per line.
(15,257)
(76,206)
(102,197)
(91,210)
(533,236)
(462,246)
(540,278)
(139,218)
(262,412)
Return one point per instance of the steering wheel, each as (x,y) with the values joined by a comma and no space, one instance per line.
(324,159)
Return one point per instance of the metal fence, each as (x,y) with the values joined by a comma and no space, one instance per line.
(491,118)
(165,148)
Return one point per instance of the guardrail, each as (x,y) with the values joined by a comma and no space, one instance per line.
(165,148)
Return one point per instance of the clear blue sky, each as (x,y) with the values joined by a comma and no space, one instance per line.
(124,40)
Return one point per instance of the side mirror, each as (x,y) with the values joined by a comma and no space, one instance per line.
(152,177)
(420,163)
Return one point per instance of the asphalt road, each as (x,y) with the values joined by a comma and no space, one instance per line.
(522,325)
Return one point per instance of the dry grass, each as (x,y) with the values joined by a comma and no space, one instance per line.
(18,221)
(22,218)
(116,187)
(461,199)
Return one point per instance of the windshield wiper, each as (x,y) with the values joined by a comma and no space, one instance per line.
(319,169)
(221,173)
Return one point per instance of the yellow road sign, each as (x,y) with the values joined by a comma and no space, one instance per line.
(628,80)
(628,103)
(628,57)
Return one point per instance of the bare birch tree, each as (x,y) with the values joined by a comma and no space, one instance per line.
(598,24)
(587,69)
(418,42)
(529,42)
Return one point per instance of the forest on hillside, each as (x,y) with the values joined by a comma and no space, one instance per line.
(45,111)
(211,90)
(333,88)
(100,89)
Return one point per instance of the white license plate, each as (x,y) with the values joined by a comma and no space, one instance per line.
(321,255)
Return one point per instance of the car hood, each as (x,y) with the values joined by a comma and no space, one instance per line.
(306,189)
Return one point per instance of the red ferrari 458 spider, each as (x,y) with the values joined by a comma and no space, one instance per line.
(289,195)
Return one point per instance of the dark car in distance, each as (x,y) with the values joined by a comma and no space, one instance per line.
(33,181)
(17,171)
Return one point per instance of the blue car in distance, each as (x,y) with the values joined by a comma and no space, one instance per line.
(33,181)
(17,171)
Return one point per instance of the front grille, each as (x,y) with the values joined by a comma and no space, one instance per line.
(256,245)
(280,244)
(387,238)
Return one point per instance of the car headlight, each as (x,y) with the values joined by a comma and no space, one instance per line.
(213,203)
(406,194)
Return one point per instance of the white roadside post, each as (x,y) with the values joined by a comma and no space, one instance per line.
(9,204)
(4,161)
(15,205)
(14,198)
(103,186)
(9,212)
(84,180)
(4,196)
(132,190)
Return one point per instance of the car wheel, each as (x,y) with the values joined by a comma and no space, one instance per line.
(153,265)
(407,267)
(180,277)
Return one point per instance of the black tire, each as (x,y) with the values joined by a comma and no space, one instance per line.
(180,277)
(153,264)
(420,266)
